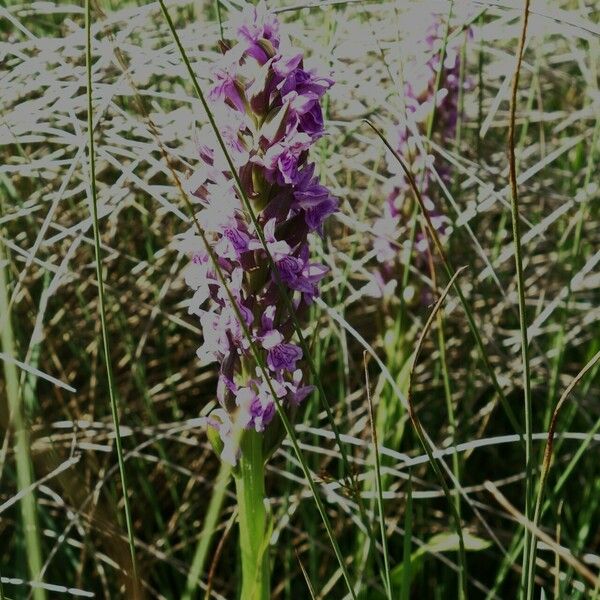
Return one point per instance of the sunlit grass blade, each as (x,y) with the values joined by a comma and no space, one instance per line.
(17,420)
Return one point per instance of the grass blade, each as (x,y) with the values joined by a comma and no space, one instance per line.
(386,561)
(548,458)
(311,591)
(421,432)
(101,299)
(407,550)
(526,582)
(208,529)
(22,445)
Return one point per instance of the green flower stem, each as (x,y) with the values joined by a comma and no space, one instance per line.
(252,515)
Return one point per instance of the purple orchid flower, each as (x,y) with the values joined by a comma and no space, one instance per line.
(257,25)
(420,100)
(268,106)
(228,88)
(282,159)
(306,82)
(300,274)
(314,198)
(281,355)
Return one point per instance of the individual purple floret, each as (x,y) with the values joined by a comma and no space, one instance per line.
(269,105)
(420,100)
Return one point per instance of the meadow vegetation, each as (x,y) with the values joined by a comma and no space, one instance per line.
(448,369)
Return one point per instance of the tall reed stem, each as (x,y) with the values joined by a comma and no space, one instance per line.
(252,515)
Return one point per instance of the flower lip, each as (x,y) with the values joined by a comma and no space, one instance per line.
(283,357)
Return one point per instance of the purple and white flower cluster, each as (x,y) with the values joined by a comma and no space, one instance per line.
(421,100)
(268,105)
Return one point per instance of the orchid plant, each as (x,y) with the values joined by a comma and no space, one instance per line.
(268,105)
(432,83)
(432,80)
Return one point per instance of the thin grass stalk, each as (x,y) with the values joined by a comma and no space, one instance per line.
(407,542)
(480,22)
(462,571)
(526,582)
(556,556)
(386,561)
(461,91)
(219,17)
(101,299)
(22,451)
(549,419)
(545,469)
(438,77)
(218,551)
(4,451)
(311,590)
(208,529)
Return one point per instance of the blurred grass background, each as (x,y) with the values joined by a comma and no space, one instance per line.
(61,503)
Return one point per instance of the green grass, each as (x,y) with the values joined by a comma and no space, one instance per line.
(16,425)
(362,500)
